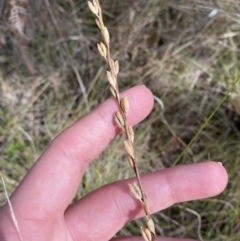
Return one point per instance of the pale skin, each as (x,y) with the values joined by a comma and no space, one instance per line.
(41,201)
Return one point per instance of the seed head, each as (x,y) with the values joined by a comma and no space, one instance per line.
(124,104)
(111,79)
(116,67)
(113,91)
(130,133)
(102,49)
(119,120)
(146,234)
(129,148)
(106,36)
(150,225)
(135,191)
(92,8)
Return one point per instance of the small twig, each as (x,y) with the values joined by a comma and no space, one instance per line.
(121,120)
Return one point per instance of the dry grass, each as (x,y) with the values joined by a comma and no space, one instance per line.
(188,59)
(17,22)
(121,120)
(13,216)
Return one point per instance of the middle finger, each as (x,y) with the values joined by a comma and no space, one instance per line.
(102,213)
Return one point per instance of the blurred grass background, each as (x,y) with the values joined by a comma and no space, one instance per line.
(186,52)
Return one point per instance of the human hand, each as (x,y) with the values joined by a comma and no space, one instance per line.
(41,201)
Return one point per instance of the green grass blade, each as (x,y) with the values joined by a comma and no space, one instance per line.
(206,122)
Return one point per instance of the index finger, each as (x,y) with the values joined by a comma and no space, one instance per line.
(55,177)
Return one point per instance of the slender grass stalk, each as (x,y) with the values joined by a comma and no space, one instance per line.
(208,119)
(148,232)
(13,216)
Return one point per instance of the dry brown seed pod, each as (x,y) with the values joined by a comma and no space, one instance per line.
(130,161)
(135,192)
(98,23)
(106,35)
(118,123)
(96,5)
(119,119)
(113,91)
(137,188)
(113,67)
(96,2)
(129,148)
(146,234)
(103,46)
(150,225)
(102,50)
(111,79)
(92,8)
(131,133)
(116,67)
(124,104)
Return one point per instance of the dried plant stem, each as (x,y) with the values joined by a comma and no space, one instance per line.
(121,120)
(13,216)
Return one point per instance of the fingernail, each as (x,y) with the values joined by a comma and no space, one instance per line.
(220,163)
